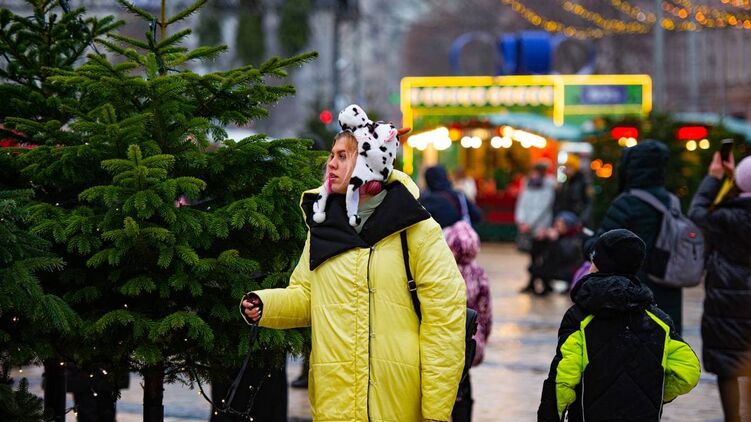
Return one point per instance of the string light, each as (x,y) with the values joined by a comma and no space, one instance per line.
(551,25)
(634,12)
(612,25)
(707,16)
(684,17)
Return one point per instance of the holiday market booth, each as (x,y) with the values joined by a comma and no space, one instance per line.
(494,129)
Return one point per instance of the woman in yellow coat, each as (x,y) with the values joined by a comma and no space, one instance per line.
(372,359)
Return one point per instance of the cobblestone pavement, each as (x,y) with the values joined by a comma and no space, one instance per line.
(507,385)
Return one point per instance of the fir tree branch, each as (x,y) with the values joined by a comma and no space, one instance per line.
(136,10)
(187,12)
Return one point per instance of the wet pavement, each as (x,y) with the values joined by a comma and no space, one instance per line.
(507,385)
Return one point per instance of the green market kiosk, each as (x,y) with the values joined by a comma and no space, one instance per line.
(494,128)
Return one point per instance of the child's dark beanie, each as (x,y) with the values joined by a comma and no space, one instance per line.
(619,251)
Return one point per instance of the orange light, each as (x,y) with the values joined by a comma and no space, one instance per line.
(455,134)
(605,171)
(596,164)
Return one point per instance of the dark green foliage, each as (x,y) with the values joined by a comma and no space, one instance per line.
(685,170)
(293,25)
(156,284)
(32,46)
(19,405)
(29,317)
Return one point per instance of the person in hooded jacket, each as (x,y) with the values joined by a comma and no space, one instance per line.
(372,359)
(644,167)
(465,245)
(446,205)
(619,357)
(726,321)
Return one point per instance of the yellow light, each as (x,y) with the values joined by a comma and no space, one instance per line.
(630,142)
(507,131)
(704,144)
(691,145)
(622,141)
(455,134)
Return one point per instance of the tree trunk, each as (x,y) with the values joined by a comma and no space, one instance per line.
(153,393)
(54,390)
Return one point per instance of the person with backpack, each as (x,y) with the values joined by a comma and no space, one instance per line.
(618,358)
(726,321)
(373,358)
(445,204)
(643,167)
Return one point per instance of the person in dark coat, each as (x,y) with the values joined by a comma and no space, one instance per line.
(726,322)
(574,194)
(644,167)
(618,356)
(443,202)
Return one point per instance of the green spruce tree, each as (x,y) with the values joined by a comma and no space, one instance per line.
(157,285)
(51,37)
(29,317)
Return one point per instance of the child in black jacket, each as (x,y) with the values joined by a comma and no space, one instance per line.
(618,356)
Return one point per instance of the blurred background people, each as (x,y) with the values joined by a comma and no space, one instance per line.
(465,184)
(574,194)
(533,216)
(446,205)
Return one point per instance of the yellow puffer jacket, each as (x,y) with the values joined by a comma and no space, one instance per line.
(372,360)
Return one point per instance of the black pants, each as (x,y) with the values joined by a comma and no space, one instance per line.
(731,396)
(462,411)
(95,409)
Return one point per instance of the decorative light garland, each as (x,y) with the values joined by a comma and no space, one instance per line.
(551,25)
(612,25)
(645,19)
(633,11)
(706,16)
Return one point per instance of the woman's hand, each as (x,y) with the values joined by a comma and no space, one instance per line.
(718,168)
(252,307)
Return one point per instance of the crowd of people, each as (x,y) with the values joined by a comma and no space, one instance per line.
(380,353)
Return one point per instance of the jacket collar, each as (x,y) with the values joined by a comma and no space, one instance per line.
(399,210)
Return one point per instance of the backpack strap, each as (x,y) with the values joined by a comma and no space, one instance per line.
(650,199)
(411,285)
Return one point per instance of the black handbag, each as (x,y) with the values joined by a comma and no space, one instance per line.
(470,344)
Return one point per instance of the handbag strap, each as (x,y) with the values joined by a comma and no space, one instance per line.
(411,285)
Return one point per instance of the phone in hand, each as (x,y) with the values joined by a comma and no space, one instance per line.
(726,148)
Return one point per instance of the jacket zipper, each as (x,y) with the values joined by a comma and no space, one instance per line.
(367,401)
(582,401)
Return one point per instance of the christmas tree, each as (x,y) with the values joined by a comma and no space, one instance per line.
(164,237)
(52,36)
(29,317)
